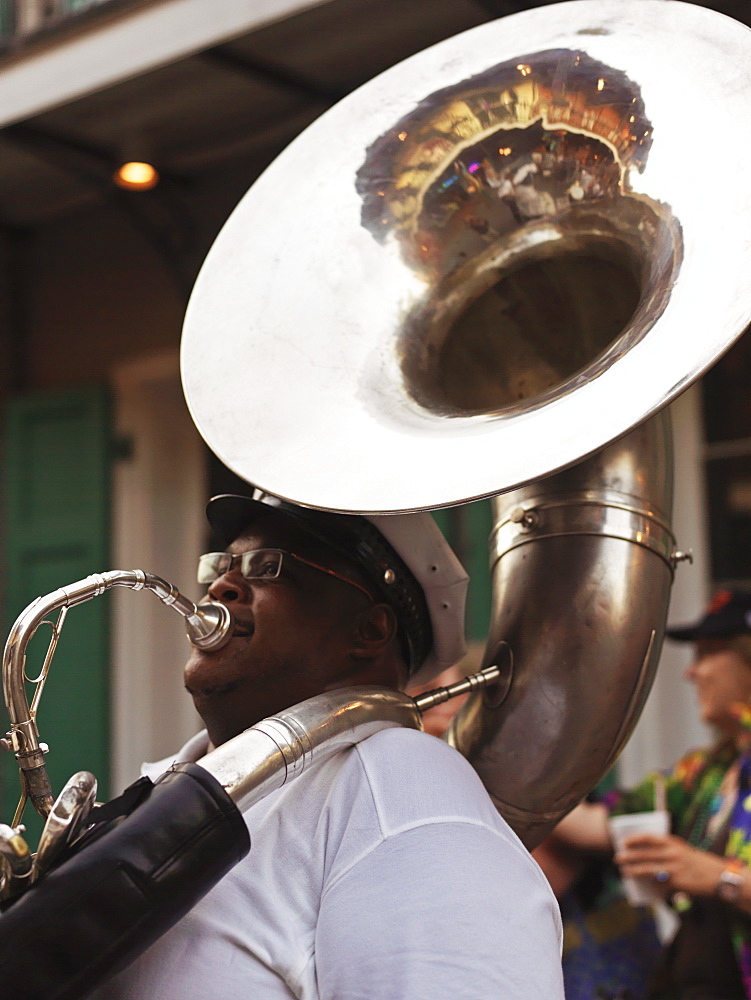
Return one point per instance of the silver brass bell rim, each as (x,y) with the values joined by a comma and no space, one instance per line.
(316,310)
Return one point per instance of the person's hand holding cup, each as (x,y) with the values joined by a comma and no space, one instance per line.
(639,891)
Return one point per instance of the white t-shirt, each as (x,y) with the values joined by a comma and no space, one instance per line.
(384,873)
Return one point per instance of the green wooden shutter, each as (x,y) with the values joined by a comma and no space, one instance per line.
(6,19)
(56,484)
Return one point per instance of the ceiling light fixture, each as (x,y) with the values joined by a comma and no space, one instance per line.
(136,175)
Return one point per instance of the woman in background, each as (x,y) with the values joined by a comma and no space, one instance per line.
(702,866)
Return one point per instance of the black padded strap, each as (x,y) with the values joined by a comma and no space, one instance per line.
(109,901)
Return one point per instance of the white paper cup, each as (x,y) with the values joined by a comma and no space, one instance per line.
(639,891)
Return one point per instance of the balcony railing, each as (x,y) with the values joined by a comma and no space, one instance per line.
(24,20)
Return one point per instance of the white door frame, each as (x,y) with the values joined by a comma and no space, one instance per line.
(159,492)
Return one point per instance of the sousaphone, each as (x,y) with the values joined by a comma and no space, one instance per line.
(493,260)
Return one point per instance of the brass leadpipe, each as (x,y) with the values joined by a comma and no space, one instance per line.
(278,749)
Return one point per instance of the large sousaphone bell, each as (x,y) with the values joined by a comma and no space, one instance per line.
(490,262)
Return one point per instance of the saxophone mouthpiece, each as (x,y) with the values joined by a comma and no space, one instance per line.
(210,627)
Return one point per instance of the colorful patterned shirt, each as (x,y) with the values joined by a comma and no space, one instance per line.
(708,796)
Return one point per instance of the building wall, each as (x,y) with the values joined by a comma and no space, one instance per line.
(101,296)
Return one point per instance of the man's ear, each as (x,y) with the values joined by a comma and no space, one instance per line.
(374,630)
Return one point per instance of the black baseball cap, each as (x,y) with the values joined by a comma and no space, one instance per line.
(728,615)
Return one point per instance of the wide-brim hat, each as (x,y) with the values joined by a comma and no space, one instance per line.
(405,557)
(728,615)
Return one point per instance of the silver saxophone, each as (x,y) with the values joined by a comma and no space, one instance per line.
(208,626)
(248,767)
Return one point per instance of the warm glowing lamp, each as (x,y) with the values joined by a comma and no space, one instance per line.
(136,175)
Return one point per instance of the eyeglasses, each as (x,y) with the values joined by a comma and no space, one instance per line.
(259,564)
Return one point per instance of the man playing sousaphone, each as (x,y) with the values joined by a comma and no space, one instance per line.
(385,872)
